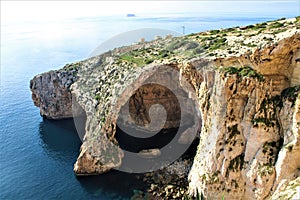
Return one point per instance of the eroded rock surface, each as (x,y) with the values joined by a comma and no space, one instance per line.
(51,92)
(248,103)
(248,127)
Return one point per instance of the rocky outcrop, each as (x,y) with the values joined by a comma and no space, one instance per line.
(51,92)
(248,127)
(245,104)
(241,142)
(138,92)
(288,164)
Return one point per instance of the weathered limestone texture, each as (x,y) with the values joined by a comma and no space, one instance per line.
(245,85)
(51,92)
(249,143)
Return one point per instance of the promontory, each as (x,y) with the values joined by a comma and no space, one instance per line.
(245,83)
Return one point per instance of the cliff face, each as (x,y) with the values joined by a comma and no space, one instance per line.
(242,144)
(246,106)
(249,141)
(51,92)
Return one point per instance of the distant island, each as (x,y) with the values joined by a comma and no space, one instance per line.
(130,15)
(246,84)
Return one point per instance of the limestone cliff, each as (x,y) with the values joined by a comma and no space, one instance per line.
(245,85)
(51,92)
(248,126)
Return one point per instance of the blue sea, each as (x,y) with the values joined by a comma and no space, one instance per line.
(37,155)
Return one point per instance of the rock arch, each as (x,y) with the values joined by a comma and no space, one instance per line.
(165,85)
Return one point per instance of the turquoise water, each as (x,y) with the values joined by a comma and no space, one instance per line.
(37,156)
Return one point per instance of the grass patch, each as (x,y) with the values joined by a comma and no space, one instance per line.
(132,59)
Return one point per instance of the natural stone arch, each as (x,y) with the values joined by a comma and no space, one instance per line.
(145,82)
(148,75)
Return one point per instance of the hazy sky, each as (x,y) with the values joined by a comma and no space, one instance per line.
(55,10)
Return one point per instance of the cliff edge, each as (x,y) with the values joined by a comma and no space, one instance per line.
(242,85)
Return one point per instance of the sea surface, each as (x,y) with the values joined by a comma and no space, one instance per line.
(37,155)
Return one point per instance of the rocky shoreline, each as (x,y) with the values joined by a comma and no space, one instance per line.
(167,183)
(245,83)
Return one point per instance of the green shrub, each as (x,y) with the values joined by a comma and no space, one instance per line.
(243,72)
(281,19)
(249,45)
(217,43)
(103,119)
(213,32)
(97,97)
(276,25)
(72,66)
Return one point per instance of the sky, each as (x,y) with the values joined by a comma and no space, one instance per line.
(12,11)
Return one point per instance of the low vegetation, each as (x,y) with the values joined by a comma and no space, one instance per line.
(72,66)
(243,72)
(276,25)
(214,43)
(133,59)
(178,48)
(265,169)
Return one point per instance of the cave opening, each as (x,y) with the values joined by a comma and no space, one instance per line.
(177,125)
(135,144)
(158,141)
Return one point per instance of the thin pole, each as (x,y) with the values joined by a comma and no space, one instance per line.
(183,30)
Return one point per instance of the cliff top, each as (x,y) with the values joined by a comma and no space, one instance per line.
(212,44)
(222,43)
